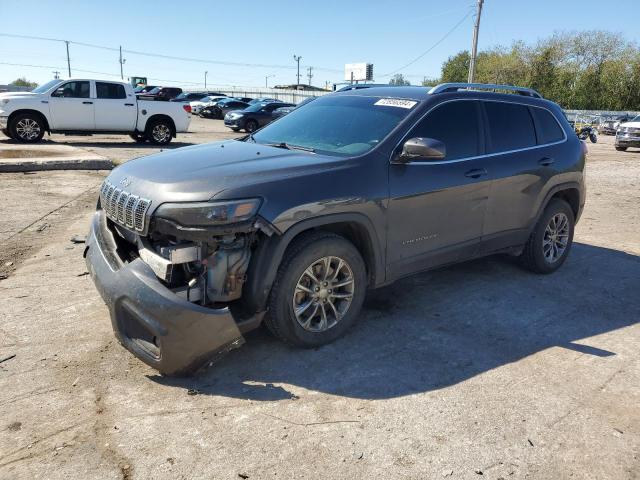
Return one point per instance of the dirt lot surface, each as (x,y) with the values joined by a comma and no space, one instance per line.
(481,370)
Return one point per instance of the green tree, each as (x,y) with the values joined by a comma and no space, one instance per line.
(23,82)
(399,80)
(456,68)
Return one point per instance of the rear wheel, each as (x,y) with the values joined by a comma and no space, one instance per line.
(551,240)
(250,126)
(26,128)
(621,149)
(318,291)
(159,132)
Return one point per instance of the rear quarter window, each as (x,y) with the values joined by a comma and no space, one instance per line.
(547,126)
(510,126)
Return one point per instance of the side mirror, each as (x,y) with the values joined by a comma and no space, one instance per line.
(422,149)
(58,92)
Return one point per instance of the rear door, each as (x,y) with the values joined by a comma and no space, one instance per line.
(436,208)
(521,161)
(114,109)
(71,106)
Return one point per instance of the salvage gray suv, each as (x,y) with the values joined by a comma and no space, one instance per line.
(291,225)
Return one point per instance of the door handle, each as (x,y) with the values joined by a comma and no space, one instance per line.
(87,103)
(476,173)
(128,104)
(546,161)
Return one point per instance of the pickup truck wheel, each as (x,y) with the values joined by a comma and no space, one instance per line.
(318,291)
(26,128)
(159,132)
(551,240)
(138,137)
(250,126)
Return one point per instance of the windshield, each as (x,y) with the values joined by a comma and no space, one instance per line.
(43,88)
(153,90)
(338,124)
(636,119)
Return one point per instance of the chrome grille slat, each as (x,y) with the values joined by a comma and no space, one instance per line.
(125,208)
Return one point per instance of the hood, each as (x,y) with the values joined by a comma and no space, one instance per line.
(201,172)
(17,94)
(629,125)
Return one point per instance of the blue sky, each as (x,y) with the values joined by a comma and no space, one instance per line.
(327,34)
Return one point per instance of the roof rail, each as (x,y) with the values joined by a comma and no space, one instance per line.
(454,87)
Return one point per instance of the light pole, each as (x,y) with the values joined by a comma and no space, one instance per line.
(205,79)
(68,60)
(122,60)
(297,59)
(474,48)
(266,80)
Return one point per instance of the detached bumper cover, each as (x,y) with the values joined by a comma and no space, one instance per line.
(166,332)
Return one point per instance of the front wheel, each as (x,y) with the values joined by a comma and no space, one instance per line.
(159,132)
(318,291)
(551,240)
(251,126)
(621,149)
(26,128)
(593,137)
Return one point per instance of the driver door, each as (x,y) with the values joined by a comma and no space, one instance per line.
(71,107)
(437,208)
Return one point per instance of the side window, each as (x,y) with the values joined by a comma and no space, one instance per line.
(73,90)
(456,125)
(110,90)
(547,126)
(510,126)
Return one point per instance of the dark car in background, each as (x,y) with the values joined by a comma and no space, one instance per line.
(253,117)
(282,111)
(611,124)
(220,108)
(161,93)
(263,100)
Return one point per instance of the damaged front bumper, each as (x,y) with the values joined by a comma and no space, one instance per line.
(167,332)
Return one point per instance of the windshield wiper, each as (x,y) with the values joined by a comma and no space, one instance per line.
(290,146)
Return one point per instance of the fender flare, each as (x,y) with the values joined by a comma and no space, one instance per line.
(32,111)
(268,255)
(550,194)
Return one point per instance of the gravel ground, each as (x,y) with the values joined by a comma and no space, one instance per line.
(480,370)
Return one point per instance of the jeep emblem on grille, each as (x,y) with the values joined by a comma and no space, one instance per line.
(125,182)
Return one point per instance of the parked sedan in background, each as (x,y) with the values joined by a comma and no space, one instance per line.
(220,109)
(195,96)
(282,111)
(610,125)
(253,117)
(197,106)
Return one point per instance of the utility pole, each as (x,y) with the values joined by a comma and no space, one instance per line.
(474,48)
(56,74)
(266,80)
(205,79)
(297,59)
(309,74)
(68,60)
(122,60)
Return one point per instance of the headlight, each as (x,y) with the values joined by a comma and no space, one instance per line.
(234,116)
(202,214)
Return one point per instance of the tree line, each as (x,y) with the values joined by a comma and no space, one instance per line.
(590,70)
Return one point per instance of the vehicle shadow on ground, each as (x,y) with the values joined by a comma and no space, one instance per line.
(80,144)
(440,328)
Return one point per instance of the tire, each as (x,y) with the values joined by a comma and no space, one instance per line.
(250,126)
(235,129)
(534,256)
(5,132)
(138,137)
(593,137)
(160,132)
(307,252)
(26,128)
(621,149)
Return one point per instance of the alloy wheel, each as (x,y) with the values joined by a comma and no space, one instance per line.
(556,238)
(161,133)
(323,294)
(27,129)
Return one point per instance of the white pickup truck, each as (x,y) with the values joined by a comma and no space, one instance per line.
(80,106)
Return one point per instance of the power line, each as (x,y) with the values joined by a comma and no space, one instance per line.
(431,47)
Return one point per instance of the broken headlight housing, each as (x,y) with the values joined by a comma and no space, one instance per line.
(205,214)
